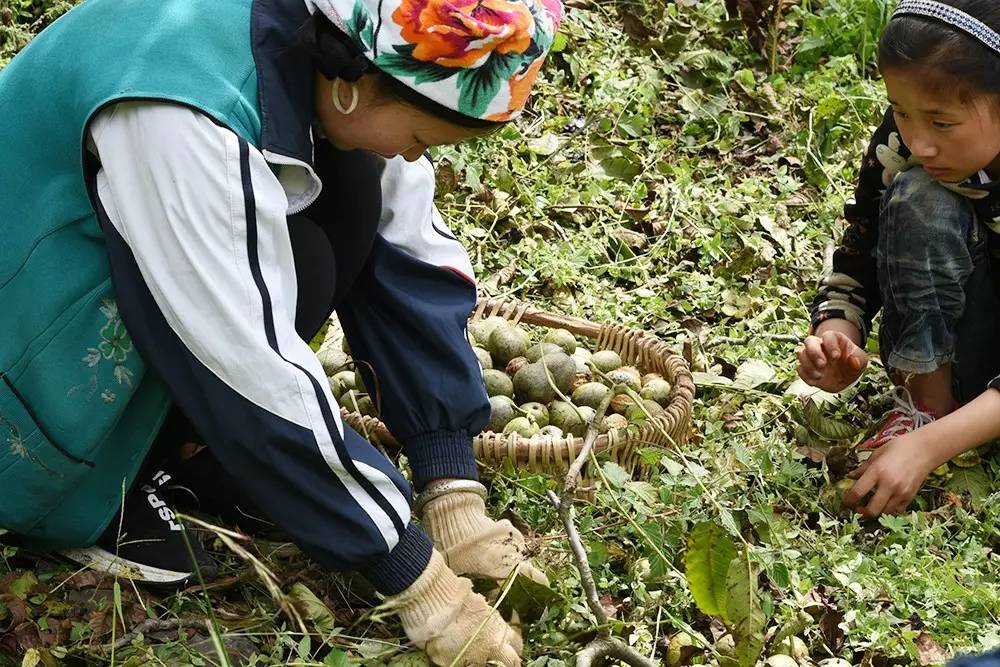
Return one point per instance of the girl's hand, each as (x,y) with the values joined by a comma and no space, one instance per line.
(831,360)
(895,472)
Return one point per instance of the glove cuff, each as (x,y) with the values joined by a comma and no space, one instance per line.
(454,518)
(445,488)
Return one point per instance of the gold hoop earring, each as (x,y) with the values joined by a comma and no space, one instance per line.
(335,94)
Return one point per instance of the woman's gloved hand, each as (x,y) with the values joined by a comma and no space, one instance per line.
(440,614)
(472,543)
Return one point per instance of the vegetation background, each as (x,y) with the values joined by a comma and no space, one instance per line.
(681,169)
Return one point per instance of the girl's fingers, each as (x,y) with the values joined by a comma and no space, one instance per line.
(899,507)
(847,346)
(877,506)
(833,344)
(806,367)
(859,471)
(859,359)
(866,480)
(814,350)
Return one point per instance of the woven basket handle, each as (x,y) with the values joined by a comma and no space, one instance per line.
(518,313)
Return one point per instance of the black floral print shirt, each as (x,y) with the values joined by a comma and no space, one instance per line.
(850,290)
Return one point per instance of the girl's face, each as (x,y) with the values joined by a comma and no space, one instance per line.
(389,128)
(953,140)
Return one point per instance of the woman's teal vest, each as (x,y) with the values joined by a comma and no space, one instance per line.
(78,407)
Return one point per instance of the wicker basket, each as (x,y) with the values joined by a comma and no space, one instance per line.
(552,455)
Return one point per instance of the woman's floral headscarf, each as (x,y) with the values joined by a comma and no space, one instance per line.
(477,57)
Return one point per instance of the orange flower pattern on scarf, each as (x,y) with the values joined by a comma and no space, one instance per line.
(463,33)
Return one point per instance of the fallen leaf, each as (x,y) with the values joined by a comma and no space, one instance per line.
(24,585)
(815,602)
(314,609)
(753,373)
(799,388)
(951,498)
(634,27)
(86,580)
(929,652)
(506,274)
(813,453)
(528,598)
(26,636)
(31,658)
(632,239)
(238,649)
(829,625)
(611,606)
(17,609)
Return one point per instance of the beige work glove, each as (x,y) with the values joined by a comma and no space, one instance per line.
(474,544)
(441,614)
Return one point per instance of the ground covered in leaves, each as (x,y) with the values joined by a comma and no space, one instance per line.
(681,171)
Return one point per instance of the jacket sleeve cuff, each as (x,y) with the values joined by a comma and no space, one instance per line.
(820,316)
(441,455)
(403,565)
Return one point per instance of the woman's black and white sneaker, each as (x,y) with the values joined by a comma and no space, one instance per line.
(148,543)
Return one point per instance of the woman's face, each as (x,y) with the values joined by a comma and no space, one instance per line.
(386,127)
(953,140)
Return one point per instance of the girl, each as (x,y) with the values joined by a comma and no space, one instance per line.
(189,188)
(920,249)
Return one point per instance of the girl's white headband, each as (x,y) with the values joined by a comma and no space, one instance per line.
(954,17)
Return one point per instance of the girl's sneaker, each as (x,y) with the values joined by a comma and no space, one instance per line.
(905,417)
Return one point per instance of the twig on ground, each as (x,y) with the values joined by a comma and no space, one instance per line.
(609,647)
(604,644)
(742,340)
(159,625)
(221,584)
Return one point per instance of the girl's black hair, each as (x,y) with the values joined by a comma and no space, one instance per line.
(950,60)
(337,56)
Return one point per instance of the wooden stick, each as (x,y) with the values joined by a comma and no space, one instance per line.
(611,648)
(604,644)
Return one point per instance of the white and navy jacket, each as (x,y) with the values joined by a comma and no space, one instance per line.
(196,225)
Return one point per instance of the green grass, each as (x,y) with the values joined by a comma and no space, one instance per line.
(678,186)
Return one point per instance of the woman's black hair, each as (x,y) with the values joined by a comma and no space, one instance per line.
(949,60)
(336,55)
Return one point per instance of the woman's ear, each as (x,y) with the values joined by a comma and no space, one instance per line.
(372,91)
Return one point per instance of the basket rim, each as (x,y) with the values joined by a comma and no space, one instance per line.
(681,393)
